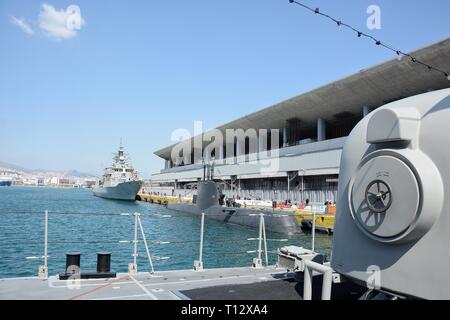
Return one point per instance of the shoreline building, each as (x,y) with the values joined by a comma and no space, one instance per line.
(312,127)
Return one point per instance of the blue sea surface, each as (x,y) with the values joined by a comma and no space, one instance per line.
(80,222)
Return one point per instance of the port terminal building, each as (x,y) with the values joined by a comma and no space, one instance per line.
(312,127)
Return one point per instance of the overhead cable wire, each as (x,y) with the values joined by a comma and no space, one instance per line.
(377,42)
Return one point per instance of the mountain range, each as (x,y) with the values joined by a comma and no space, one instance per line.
(70,173)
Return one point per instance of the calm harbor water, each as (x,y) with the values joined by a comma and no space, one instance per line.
(80,222)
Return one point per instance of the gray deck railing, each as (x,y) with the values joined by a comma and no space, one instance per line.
(257,262)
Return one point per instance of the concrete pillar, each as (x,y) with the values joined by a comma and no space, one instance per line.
(263,141)
(366,110)
(198,153)
(288,185)
(187,158)
(262,144)
(257,145)
(230,156)
(240,150)
(220,152)
(285,137)
(321,129)
(207,155)
(239,187)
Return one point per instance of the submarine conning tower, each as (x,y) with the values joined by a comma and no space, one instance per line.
(207,194)
(207,189)
(393,208)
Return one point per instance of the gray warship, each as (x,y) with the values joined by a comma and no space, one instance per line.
(119,181)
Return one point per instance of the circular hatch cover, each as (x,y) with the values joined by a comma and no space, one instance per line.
(378,196)
(385,197)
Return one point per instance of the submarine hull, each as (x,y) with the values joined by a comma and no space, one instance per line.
(274,222)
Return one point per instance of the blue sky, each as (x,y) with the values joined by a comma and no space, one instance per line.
(138,70)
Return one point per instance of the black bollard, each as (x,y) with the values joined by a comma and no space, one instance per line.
(73,262)
(103,262)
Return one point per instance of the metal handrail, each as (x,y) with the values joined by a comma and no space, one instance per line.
(262,246)
(327,280)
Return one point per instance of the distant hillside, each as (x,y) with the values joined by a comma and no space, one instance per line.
(12,166)
(75,173)
(71,173)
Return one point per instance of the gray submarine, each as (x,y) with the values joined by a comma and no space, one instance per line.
(209,200)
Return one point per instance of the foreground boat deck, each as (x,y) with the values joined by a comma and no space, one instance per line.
(268,283)
(165,285)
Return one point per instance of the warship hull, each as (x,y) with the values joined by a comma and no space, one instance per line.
(123,191)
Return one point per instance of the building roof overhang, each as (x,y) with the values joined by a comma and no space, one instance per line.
(373,87)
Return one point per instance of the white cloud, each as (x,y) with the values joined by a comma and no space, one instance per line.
(60,24)
(20,22)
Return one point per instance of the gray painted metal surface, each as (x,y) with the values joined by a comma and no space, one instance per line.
(275,221)
(119,181)
(165,285)
(393,208)
(207,195)
(122,191)
(208,202)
